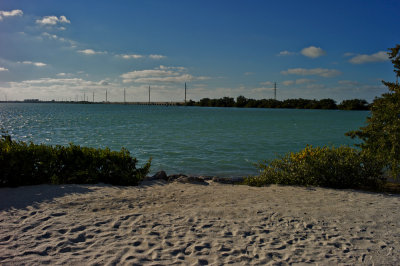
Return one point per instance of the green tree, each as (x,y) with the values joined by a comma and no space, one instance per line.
(241,101)
(204,102)
(354,104)
(327,104)
(381,135)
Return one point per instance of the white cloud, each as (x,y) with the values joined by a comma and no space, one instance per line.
(313,52)
(248,73)
(267,83)
(90,52)
(12,13)
(50,36)
(52,81)
(304,81)
(297,82)
(162,74)
(104,82)
(52,20)
(3,69)
(38,64)
(288,82)
(364,58)
(57,38)
(171,67)
(131,56)
(156,56)
(62,74)
(63,19)
(262,89)
(322,72)
(285,53)
(170,79)
(138,56)
(146,73)
(349,82)
(57,83)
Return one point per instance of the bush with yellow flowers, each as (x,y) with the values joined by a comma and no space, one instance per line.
(342,167)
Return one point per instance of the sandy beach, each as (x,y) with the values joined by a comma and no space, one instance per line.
(161,223)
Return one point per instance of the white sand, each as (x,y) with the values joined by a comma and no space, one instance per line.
(188,224)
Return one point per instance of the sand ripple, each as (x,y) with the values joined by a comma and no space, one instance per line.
(163,224)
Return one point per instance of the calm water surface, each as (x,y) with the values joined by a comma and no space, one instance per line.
(191,140)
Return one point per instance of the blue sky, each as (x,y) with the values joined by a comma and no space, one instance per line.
(313,49)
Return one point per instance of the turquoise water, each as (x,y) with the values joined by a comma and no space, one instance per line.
(191,140)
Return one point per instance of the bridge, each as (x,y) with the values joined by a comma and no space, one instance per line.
(149,103)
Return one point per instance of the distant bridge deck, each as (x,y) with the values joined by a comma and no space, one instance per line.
(88,102)
(150,103)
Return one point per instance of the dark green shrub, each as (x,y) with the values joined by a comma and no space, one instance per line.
(31,164)
(342,167)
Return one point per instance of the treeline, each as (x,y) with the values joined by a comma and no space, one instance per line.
(241,101)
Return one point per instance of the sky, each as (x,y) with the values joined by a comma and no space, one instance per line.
(71,49)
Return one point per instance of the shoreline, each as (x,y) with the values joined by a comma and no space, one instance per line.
(166,223)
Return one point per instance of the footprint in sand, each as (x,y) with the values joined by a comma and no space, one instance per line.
(78,229)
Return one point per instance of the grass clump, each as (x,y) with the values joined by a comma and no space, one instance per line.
(31,164)
(342,167)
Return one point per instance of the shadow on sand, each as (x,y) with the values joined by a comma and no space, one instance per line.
(22,197)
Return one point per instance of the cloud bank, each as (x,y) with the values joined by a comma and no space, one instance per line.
(38,64)
(322,72)
(365,58)
(90,52)
(131,56)
(161,74)
(157,56)
(12,13)
(52,20)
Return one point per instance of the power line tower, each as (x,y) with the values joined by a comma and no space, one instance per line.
(149,94)
(93,96)
(124,96)
(274,90)
(106,95)
(185,92)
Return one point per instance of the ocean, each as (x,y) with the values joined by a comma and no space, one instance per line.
(192,140)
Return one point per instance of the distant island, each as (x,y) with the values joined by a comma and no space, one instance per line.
(240,102)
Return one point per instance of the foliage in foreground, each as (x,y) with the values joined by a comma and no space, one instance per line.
(31,164)
(381,135)
(342,167)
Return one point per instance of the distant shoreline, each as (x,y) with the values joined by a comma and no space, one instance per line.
(305,104)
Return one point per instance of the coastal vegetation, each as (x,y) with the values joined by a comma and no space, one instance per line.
(342,167)
(365,166)
(381,135)
(347,167)
(31,164)
(241,101)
